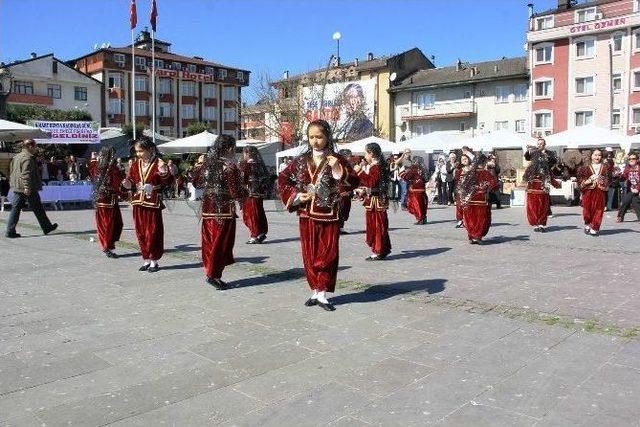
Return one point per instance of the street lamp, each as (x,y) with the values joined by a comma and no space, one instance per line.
(5,88)
(337,36)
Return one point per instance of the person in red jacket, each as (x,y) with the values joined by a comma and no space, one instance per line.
(346,194)
(594,185)
(107,179)
(310,186)
(147,176)
(538,177)
(219,177)
(416,177)
(374,182)
(475,187)
(255,177)
(630,178)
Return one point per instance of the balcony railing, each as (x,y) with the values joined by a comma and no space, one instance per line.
(441,109)
(24,98)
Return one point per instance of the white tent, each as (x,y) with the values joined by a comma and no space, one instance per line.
(191,144)
(358,147)
(267,149)
(498,140)
(434,141)
(632,143)
(587,136)
(11,131)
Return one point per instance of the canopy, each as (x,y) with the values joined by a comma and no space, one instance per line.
(587,136)
(11,131)
(358,147)
(632,143)
(191,144)
(434,141)
(292,152)
(500,139)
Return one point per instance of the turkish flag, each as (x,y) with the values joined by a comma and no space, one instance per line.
(133,15)
(154,15)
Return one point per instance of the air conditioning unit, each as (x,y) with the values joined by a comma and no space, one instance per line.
(599,16)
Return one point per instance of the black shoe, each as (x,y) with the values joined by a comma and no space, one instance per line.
(216,283)
(54,226)
(424,221)
(372,258)
(108,253)
(310,302)
(252,241)
(587,230)
(536,230)
(418,223)
(474,241)
(144,267)
(261,238)
(542,229)
(459,224)
(326,307)
(12,235)
(153,269)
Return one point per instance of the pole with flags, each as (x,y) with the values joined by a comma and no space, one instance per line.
(133,18)
(152,20)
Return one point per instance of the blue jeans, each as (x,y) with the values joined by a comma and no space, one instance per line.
(611,193)
(403,192)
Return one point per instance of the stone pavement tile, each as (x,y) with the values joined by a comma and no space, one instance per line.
(426,401)
(22,421)
(96,383)
(239,342)
(548,380)
(348,422)
(608,398)
(629,355)
(315,407)
(17,375)
(401,339)
(124,403)
(481,415)
(276,318)
(202,410)
(510,353)
(442,320)
(382,379)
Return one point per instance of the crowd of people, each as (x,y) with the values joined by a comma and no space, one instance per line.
(319,186)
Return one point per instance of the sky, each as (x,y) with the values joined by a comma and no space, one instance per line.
(268,37)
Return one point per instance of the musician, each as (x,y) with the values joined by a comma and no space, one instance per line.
(594,184)
(539,179)
(475,187)
(416,177)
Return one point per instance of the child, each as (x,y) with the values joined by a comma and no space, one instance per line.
(255,177)
(310,185)
(538,178)
(417,202)
(593,185)
(475,187)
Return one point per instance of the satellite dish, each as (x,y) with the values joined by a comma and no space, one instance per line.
(392,77)
(95,46)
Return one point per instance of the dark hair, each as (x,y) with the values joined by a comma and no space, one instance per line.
(106,159)
(258,173)
(146,144)
(28,142)
(215,183)
(385,173)
(324,127)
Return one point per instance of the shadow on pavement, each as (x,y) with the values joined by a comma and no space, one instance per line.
(252,259)
(269,278)
(182,266)
(617,231)
(553,228)
(505,239)
(417,253)
(288,239)
(382,292)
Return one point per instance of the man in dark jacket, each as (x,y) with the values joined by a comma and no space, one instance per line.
(25,181)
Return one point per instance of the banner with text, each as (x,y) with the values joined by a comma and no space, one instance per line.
(68,132)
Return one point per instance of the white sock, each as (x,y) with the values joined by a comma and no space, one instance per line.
(146,262)
(321,297)
(315,295)
(592,231)
(153,263)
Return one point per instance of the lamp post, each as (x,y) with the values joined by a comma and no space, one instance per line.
(337,36)
(5,88)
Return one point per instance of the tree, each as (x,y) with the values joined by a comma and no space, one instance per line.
(23,113)
(127,129)
(197,127)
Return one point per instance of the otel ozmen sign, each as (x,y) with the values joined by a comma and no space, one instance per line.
(607,23)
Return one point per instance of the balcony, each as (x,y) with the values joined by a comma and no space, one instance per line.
(166,121)
(439,110)
(116,118)
(23,98)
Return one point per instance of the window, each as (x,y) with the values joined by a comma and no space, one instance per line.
(209,113)
(462,126)
(636,40)
(141,62)
(467,94)
(502,94)
(23,87)
(585,48)
(159,63)
(616,42)
(188,89)
(501,125)
(142,108)
(191,68)
(636,115)
(164,86)
(176,66)
(142,84)
(417,130)
(616,82)
(80,93)
(222,74)
(188,111)
(636,80)
(118,58)
(544,54)
(544,23)
(115,106)
(520,92)
(520,126)
(240,76)
(424,100)
(586,15)
(584,85)
(229,114)
(615,118)
(542,120)
(584,118)
(115,80)
(165,109)
(209,91)
(544,89)
(209,70)
(230,93)
(636,5)
(54,91)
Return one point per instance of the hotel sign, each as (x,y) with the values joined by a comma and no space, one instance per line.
(185,75)
(600,25)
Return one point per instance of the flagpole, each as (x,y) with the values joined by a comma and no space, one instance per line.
(133,87)
(153,85)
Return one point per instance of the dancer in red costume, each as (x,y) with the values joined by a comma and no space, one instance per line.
(219,176)
(147,176)
(310,185)
(256,179)
(346,194)
(107,179)
(374,182)
(593,185)
(474,196)
(538,177)
(460,172)
(416,177)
